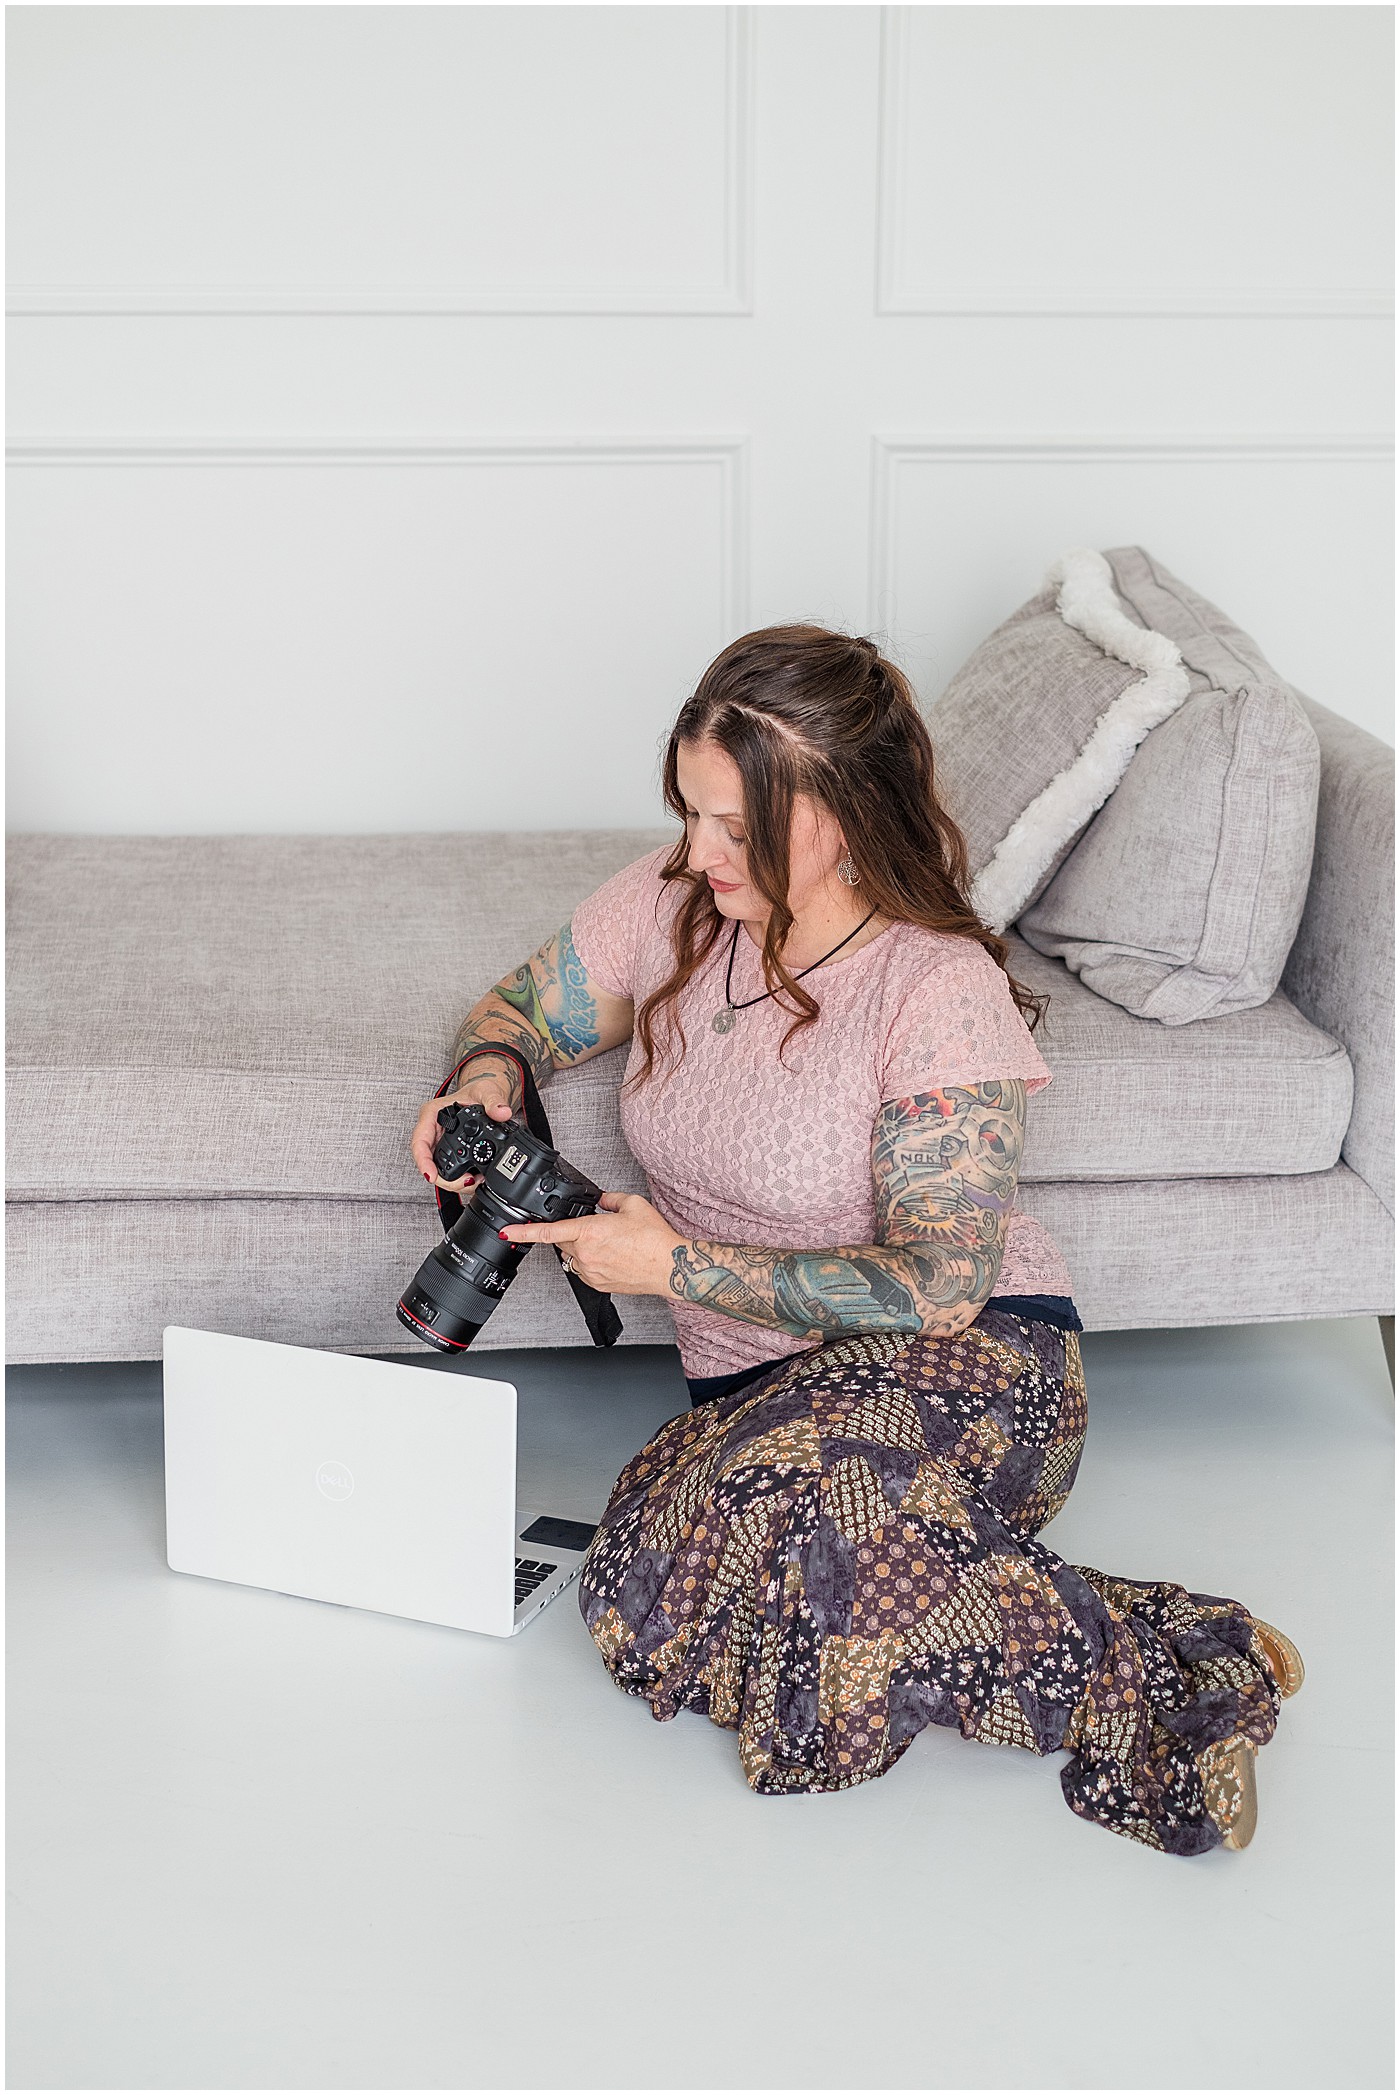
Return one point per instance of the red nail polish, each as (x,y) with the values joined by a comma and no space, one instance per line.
(501,1233)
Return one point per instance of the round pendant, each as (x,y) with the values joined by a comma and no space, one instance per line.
(722,1021)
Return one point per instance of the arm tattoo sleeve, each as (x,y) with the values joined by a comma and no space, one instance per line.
(553,992)
(545,1010)
(945,1165)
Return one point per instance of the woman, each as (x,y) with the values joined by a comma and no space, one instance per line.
(827,1090)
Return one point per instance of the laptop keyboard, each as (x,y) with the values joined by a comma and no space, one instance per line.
(528,1575)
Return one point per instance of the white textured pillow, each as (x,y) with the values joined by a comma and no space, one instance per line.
(1039,725)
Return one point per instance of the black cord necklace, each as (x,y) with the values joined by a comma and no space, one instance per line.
(724,1020)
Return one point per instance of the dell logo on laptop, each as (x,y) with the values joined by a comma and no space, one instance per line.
(334,1481)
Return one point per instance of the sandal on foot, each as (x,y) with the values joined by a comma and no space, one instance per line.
(1227,1771)
(1227,1767)
(1282,1653)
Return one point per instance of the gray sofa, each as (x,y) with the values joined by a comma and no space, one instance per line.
(218,1046)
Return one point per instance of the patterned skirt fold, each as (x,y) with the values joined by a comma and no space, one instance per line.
(845,1550)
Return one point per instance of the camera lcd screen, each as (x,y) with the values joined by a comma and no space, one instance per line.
(559,1534)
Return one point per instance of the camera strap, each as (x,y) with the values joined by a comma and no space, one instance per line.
(599,1311)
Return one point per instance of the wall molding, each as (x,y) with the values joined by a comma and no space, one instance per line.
(729,454)
(733,296)
(895,299)
(890,454)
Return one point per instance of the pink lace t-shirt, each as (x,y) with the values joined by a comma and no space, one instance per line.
(741,1150)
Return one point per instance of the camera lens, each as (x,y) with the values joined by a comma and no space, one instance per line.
(459,1284)
(433,1321)
(466,1276)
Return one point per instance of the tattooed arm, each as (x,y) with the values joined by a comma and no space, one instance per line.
(946,1165)
(549,1010)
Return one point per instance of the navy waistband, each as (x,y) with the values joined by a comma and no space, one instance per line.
(1043,1309)
(704,1387)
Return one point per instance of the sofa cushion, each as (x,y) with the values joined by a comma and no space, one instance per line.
(264,1016)
(1040,723)
(1181,899)
(98,1280)
(1252,1093)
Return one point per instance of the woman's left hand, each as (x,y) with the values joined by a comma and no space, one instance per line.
(623,1251)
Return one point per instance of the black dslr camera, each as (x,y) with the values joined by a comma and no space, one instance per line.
(523,1179)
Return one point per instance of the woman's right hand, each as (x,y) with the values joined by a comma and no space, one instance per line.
(490,1088)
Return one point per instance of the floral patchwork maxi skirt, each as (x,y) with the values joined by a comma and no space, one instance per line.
(844,1550)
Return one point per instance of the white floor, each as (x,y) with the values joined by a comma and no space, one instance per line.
(259,1842)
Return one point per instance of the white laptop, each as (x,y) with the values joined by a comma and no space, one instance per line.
(366,1482)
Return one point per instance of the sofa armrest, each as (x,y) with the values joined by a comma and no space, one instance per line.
(1341,969)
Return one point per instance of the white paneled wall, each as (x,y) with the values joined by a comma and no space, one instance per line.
(407,402)
(941,504)
(380,159)
(1206,159)
(378,582)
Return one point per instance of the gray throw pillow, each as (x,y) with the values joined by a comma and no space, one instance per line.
(1038,726)
(1182,897)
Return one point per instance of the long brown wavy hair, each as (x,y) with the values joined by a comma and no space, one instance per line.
(801,709)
